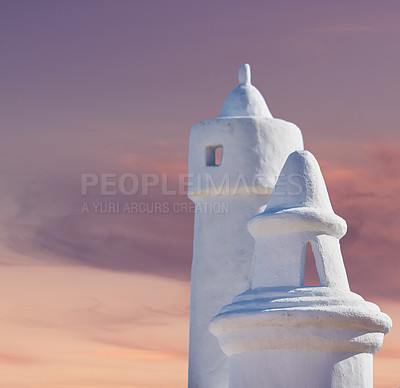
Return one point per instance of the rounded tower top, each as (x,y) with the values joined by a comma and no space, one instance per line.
(245,100)
(241,152)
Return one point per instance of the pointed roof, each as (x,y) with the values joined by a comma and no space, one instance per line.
(299,202)
(245,100)
(300,184)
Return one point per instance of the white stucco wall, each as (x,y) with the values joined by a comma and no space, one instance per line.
(255,147)
(303,369)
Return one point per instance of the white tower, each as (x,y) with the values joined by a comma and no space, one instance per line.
(254,148)
(280,333)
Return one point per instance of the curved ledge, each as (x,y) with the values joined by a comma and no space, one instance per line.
(301,219)
(312,318)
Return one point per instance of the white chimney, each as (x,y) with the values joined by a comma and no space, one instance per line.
(280,333)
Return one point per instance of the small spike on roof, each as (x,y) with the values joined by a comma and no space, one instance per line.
(244,74)
(245,100)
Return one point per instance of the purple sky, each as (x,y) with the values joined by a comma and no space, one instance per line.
(115,86)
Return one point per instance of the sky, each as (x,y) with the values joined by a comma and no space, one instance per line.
(101,298)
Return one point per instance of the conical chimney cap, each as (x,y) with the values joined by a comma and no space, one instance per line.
(245,100)
(299,202)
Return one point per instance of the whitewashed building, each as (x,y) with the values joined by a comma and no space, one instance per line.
(234,162)
(253,323)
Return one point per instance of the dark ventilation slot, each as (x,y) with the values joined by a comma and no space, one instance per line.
(214,155)
(311,278)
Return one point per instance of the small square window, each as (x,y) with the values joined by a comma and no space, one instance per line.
(214,155)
